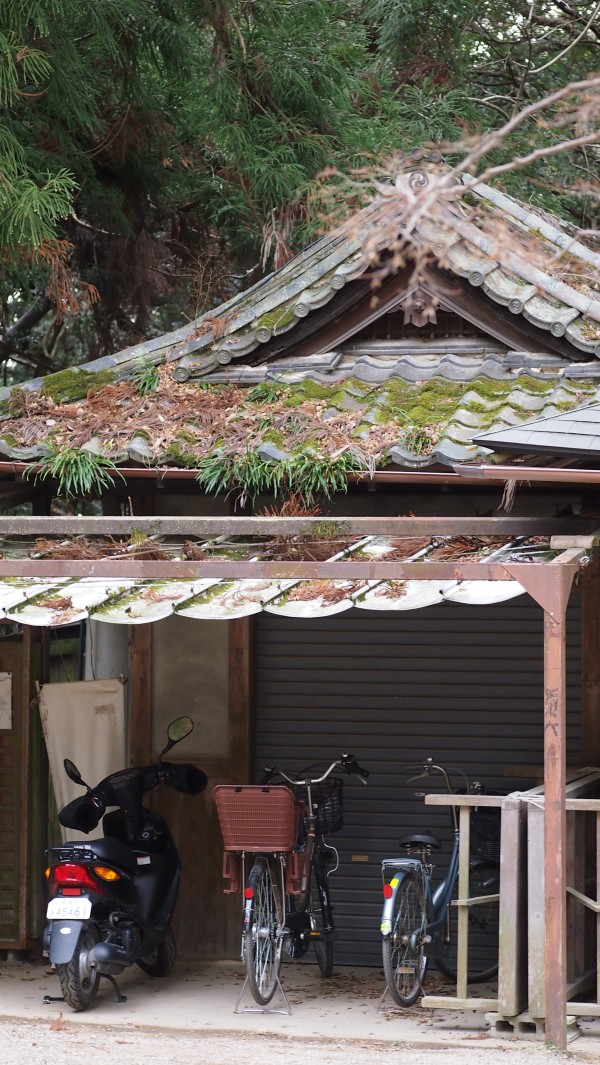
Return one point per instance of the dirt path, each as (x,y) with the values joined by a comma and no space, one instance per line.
(62,1043)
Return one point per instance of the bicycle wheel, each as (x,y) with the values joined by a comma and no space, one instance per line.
(262,939)
(319,915)
(404,963)
(484,879)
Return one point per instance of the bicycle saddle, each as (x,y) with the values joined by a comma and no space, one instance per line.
(424,838)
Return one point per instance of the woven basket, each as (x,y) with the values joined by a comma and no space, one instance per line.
(327,803)
(257,818)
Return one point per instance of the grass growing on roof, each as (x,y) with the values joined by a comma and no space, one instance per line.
(145,377)
(79,473)
(305,474)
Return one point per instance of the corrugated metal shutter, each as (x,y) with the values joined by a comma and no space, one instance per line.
(10,844)
(464,684)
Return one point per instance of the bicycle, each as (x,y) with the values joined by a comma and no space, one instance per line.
(286,896)
(419,922)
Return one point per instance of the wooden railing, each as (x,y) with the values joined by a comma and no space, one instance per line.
(464,902)
(583,904)
(521,938)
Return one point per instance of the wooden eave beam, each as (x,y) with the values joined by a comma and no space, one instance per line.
(320,528)
(528,573)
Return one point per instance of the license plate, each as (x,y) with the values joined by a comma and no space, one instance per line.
(69,909)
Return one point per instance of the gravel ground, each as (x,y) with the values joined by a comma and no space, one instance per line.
(62,1043)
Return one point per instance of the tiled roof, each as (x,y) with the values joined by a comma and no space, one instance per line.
(55,602)
(539,268)
(574,433)
(415,410)
(408,403)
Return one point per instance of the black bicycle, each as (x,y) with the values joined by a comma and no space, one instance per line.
(287,905)
(419,922)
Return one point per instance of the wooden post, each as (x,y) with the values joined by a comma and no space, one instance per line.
(555,851)
(240,696)
(590,664)
(25,786)
(140,694)
(550,586)
(462,960)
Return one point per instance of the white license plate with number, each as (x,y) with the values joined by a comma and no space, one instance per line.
(69,909)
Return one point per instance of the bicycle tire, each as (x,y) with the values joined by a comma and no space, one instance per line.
(404,963)
(262,938)
(320,907)
(483,929)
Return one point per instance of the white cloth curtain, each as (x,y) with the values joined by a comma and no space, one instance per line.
(84,721)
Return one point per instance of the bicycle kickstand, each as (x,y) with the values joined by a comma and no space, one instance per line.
(263,1009)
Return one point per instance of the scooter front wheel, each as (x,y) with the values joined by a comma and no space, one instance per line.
(161,960)
(78,980)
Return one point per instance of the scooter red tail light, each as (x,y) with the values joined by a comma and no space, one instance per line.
(70,874)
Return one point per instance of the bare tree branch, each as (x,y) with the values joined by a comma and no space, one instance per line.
(493,139)
(540,153)
(575,41)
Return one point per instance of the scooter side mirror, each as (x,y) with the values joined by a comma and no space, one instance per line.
(73,773)
(179,729)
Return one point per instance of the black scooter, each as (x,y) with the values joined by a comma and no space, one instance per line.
(112,899)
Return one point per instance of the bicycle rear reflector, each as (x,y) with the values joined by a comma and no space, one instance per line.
(248,893)
(388,891)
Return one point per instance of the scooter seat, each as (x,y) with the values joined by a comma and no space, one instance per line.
(114,852)
(426,839)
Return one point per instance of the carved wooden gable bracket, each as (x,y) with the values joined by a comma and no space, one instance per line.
(419,308)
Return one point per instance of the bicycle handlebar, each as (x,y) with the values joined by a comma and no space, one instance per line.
(427,767)
(347,762)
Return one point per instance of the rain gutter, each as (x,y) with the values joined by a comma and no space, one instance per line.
(461,474)
(171,473)
(546,474)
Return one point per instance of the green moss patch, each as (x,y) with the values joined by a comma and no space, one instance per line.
(278,318)
(67,386)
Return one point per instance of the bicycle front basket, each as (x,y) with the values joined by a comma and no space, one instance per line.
(485,832)
(327,803)
(256,818)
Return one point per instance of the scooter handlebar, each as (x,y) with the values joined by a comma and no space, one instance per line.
(83,813)
(184,777)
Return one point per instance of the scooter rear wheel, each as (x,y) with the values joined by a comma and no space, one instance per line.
(161,960)
(78,981)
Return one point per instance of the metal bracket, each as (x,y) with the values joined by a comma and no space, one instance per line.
(263,1009)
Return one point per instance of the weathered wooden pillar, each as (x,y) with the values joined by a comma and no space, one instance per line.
(140,694)
(555,850)
(25,786)
(550,586)
(240,696)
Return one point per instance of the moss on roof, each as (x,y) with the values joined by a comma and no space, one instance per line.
(307,422)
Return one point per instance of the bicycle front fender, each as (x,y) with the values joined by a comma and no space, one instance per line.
(400,869)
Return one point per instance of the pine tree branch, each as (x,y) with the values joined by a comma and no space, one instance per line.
(28,319)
